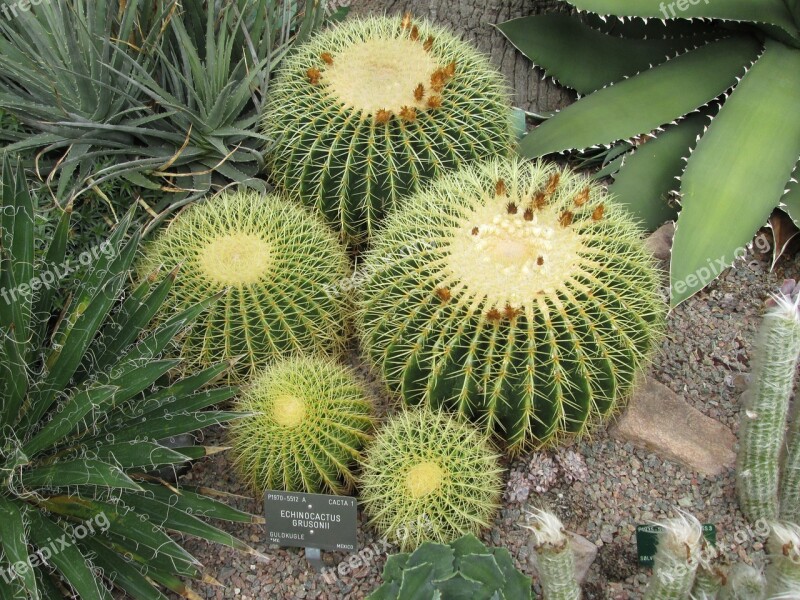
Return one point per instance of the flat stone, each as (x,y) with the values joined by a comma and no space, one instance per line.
(583,550)
(659,243)
(659,420)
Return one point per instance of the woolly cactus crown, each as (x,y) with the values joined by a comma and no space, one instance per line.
(515,294)
(368,110)
(276,264)
(431,477)
(309,419)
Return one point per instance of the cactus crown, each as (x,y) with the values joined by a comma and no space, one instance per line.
(514,293)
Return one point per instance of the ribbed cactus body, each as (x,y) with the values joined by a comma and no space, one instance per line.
(365,112)
(427,476)
(512,293)
(710,577)
(276,264)
(308,421)
(676,559)
(555,560)
(763,421)
(783,572)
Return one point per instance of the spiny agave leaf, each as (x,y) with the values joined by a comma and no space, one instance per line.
(648,28)
(416,582)
(13,543)
(189,500)
(13,378)
(139,455)
(738,172)
(583,58)
(53,259)
(517,585)
(124,574)
(439,555)
(791,199)
(466,545)
(167,426)
(651,172)
(69,560)
(774,12)
(649,98)
(459,587)
(482,568)
(82,471)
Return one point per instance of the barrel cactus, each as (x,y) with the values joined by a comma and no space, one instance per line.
(429,477)
(515,294)
(366,111)
(308,418)
(464,568)
(278,265)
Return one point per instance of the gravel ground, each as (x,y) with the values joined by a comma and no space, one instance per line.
(704,357)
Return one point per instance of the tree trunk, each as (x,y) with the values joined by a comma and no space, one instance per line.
(474,20)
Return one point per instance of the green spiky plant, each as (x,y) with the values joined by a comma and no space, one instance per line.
(736,59)
(281,265)
(464,568)
(366,112)
(677,557)
(514,294)
(783,571)
(555,560)
(84,401)
(763,420)
(308,419)
(171,91)
(427,476)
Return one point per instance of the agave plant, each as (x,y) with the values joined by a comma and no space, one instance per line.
(84,401)
(171,91)
(716,84)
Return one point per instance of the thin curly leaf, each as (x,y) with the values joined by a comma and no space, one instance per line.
(738,172)
(651,172)
(583,58)
(647,101)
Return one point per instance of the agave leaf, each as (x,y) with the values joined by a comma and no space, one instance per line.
(583,58)
(13,378)
(175,424)
(738,172)
(82,471)
(14,544)
(68,560)
(652,172)
(649,28)
(53,261)
(125,575)
(482,568)
(791,198)
(516,585)
(189,499)
(649,99)
(774,12)
(138,455)
(416,582)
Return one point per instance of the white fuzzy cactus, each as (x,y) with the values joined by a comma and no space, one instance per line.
(745,582)
(676,559)
(555,560)
(783,572)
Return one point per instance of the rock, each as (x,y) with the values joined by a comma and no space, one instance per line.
(659,242)
(659,420)
(583,550)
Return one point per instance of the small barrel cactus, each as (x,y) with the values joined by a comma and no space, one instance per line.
(464,568)
(308,419)
(783,572)
(365,112)
(555,560)
(515,294)
(277,264)
(676,560)
(763,422)
(428,476)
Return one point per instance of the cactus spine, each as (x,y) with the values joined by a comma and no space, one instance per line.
(783,572)
(790,479)
(763,421)
(514,294)
(554,557)
(308,419)
(676,559)
(276,265)
(427,476)
(365,112)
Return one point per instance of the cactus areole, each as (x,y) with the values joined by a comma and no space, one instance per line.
(366,112)
(515,294)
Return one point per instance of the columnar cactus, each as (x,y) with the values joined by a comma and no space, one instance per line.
(367,111)
(783,572)
(277,264)
(464,568)
(676,559)
(512,293)
(554,558)
(763,421)
(308,419)
(710,577)
(430,477)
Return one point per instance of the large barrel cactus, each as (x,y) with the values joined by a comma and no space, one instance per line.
(276,263)
(515,294)
(365,112)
